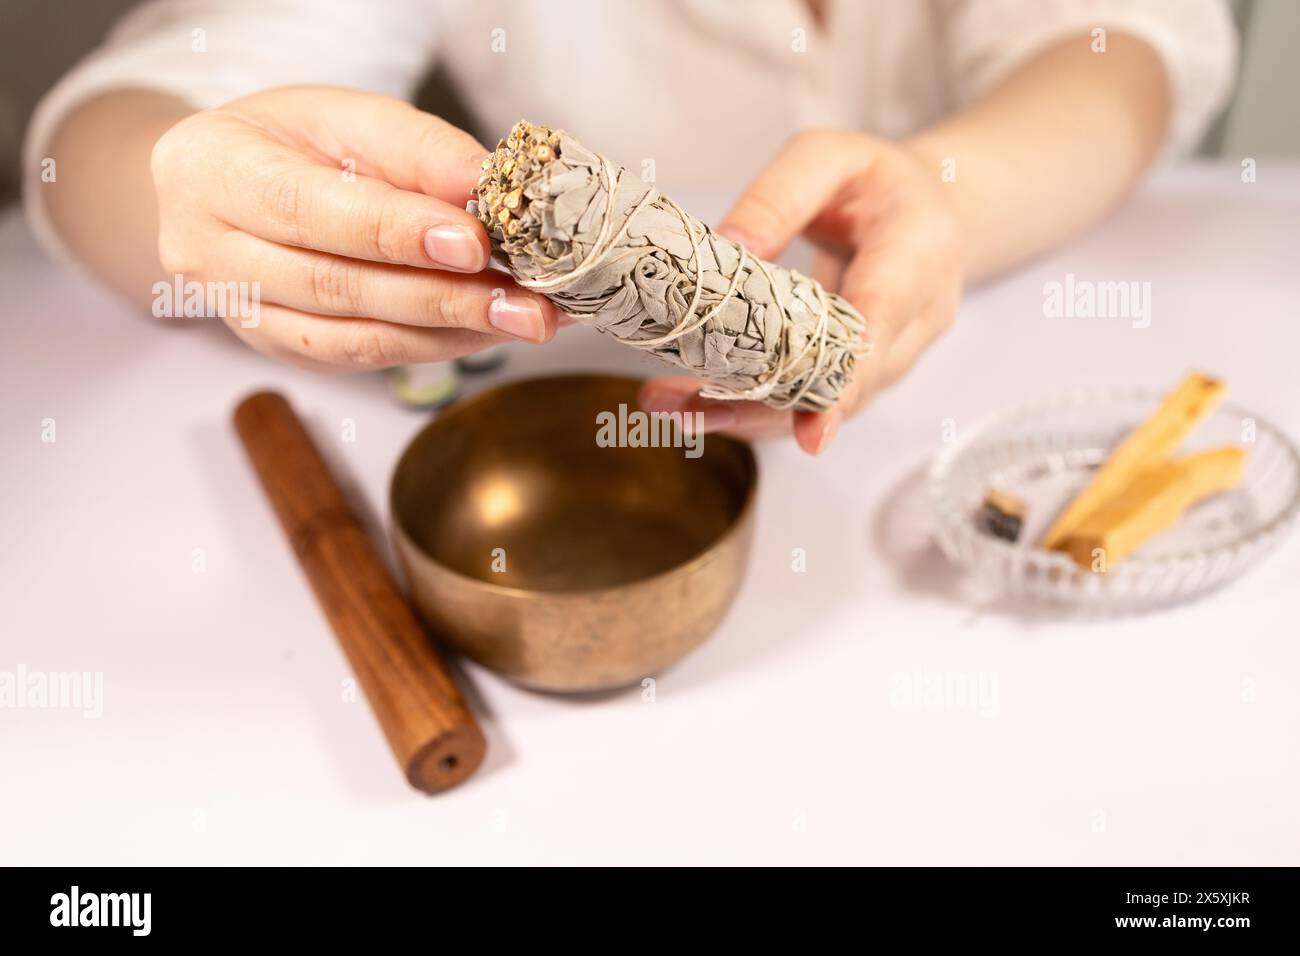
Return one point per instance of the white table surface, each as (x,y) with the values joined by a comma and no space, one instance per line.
(1169,738)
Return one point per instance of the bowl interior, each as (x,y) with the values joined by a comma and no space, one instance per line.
(511,487)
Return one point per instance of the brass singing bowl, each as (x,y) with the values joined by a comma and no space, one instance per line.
(562,564)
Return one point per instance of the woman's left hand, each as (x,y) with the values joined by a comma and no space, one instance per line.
(887,240)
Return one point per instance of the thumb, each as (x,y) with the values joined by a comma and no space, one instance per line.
(386,138)
(418,151)
(791,192)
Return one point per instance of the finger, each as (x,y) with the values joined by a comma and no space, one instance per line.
(904,310)
(880,286)
(324,284)
(386,138)
(769,423)
(827,268)
(281,195)
(353,344)
(791,192)
(915,339)
(874,289)
(680,395)
(813,431)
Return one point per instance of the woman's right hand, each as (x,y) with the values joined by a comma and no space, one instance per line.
(348,209)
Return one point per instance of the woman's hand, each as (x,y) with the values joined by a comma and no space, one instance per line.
(349,209)
(888,240)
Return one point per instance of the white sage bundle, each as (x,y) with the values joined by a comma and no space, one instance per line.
(609,250)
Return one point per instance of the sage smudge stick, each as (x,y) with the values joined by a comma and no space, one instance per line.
(608,249)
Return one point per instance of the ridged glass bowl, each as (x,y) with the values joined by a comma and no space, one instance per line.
(1045,452)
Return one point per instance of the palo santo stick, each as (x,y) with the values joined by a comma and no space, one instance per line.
(1152,503)
(1150,443)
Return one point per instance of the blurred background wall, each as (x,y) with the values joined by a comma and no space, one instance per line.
(40,39)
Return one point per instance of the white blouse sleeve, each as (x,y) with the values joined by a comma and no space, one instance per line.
(986,39)
(207,52)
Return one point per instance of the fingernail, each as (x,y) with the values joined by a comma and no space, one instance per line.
(715,416)
(456,248)
(735,234)
(829,428)
(474,165)
(519,316)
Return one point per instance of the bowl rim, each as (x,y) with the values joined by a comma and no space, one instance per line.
(735,527)
(945,508)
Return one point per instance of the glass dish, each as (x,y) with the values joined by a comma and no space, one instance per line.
(1045,452)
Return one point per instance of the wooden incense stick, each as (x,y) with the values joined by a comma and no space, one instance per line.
(1152,503)
(1149,444)
(432,733)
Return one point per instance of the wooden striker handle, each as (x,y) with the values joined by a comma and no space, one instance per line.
(430,729)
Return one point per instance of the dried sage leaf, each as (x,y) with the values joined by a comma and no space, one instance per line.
(611,251)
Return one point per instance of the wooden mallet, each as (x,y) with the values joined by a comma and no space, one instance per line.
(430,729)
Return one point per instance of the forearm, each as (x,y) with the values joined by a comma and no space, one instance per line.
(1050,149)
(103,205)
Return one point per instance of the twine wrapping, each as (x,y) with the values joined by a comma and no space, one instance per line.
(609,250)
